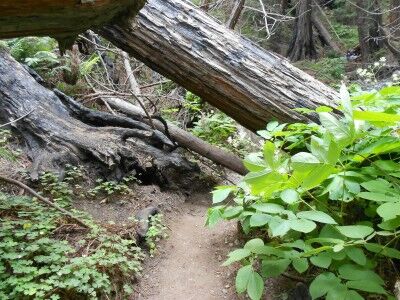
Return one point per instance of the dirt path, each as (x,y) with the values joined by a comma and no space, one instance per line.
(189,265)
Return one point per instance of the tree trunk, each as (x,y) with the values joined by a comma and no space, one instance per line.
(302,45)
(233,74)
(323,32)
(59,131)
(235,14)
(394,19)
(62,19)
(363,29)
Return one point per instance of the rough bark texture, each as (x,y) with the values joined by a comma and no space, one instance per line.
(59,131)
(235,14)
(230,72)
(302,45)
(324,33)
(184,138)
(62,19)
(363,29)
(394,19)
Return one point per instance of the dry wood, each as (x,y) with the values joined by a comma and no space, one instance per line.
(184,138)
(230,72)
(60,131)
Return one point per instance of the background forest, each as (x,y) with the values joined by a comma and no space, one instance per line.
(318,205)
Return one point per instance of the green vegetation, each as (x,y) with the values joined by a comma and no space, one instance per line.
(155,233)
(322,201)
(329,70)
(39,261)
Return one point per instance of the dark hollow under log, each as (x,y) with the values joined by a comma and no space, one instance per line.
(59,131)
(243,80)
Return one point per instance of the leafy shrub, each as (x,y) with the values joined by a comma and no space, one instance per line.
(215,128)
(322,200)
(112,187)
(5,151)
(34,264)
(155,233)
(330,70)
(36,52)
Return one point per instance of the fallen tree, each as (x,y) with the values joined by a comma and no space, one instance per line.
(59,131)
(233,74)
(61,19)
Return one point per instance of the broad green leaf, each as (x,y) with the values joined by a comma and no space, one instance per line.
(300,264)
(304,161)
(378,197)
(378,185)
(214,216)
(355,231)
(302,225)
(389,210)
(270,208)
(346,102)
(254,244)
(242,278)
(317,216)
(322,260)
(356,272)
(317,175)
(221,193)
(385,251)
(274,268)
(279,227)
(357,255)
(255,287)
(236,255)
(290,196)
(254,163)
(232,212)
(373,116)
(342,132)
(269,154)
(258,220)
(322,284)
(366,286)
(337,292)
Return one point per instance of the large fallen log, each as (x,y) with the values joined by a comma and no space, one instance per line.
(59,131)
(243,80)
(62,19)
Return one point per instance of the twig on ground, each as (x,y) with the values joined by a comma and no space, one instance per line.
(20,118)
(43,199)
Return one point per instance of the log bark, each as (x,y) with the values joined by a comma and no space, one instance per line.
(59,131)
(233,74)
(62,19)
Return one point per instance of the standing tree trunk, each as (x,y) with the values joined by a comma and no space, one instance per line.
(233,74)
(235,14)
(302,45)
(394,19)
(363,29)
(59,131)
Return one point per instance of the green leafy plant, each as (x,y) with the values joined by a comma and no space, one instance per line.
(36,264)
(155,233)
(112,187)
(215,128)
(322,200)
(5,151)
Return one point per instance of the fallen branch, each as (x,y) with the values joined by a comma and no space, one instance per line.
(42,199)
(184,138)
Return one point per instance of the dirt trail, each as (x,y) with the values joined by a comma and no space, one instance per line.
(189,265)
